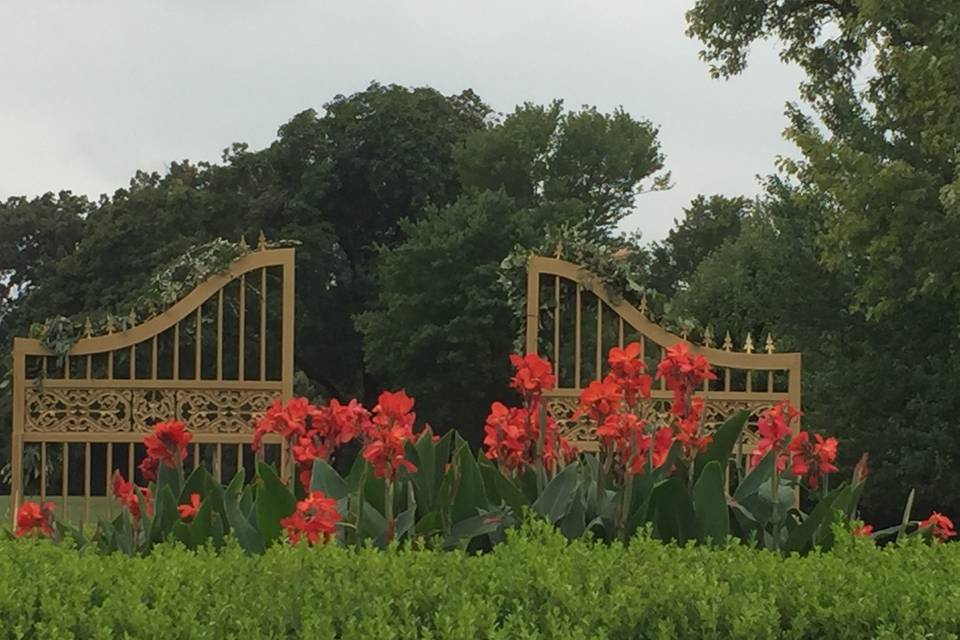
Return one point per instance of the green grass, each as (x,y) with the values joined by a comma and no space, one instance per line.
(100,508)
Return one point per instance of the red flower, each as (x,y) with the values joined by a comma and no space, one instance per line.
(290,420)
(387,434)
(599,400)
(34,519)
(188,511)
(316,517)
(689,431)
(532,377)
(683,373)
(863,531)
(662,442)
(126,494)
(168,443)
(511,435)
(148,468)
(627,371)
(940,525)
(813,460)
(774,428)
(312,432)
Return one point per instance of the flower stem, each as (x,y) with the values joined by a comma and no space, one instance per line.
(388,508)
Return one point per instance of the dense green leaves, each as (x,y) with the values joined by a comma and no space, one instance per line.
(535,585)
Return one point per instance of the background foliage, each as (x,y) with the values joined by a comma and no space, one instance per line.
(406,202)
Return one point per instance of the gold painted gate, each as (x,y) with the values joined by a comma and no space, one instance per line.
(216,359)
(573,321)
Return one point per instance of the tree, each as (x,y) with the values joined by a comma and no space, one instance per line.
(443,326)
(881,386)
(886,161)
(707,224)
(339,182)
(541,155)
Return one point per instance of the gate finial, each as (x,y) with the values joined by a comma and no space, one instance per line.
(748,344)
(708,337)
(727,342)
(87,328)
(261,241)
(769,346)
(643,305)
(110,327)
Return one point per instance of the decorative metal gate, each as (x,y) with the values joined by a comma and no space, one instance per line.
(215,360)
(574,321)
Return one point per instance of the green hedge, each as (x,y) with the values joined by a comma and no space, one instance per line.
(535,585)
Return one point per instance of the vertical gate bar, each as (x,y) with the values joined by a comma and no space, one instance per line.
(153,359)
(770,381)
(220,335)
(556,326)
(199,343)
(86,483)
(66,367)
(240,465)
(109,477)
(263,323)
(131,469)
(620,339)
(726,379)
(133,361)
(196,455)
(218,464)
(532,324)
(287,328)
(43,472)
(110,365)
(89,366)
(576,344)
(599,338)
(65,467)
(749,380)
(241,370)
(176,350)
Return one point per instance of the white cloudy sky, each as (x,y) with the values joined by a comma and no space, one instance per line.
(92,90)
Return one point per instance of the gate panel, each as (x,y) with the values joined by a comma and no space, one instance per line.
(215,360)
(573,320)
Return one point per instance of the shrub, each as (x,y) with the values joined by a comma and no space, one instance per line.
(535,585)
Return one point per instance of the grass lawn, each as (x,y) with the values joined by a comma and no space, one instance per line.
(100,508)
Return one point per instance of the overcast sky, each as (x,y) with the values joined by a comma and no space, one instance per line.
(92,90)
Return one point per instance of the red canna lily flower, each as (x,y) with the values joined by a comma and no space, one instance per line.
(599,400)
(126,494)
(34,519)
(690,429)
(387,434)
(627,370)
(863,531)
(189,511)
(813,460)
(315,518)
(168,443)
(940,526)
(774,429)
(532,377)
(683,372)
(148,468)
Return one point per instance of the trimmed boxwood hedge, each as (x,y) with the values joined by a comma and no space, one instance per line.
(536,585)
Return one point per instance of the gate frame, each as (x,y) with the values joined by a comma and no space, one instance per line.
(538,266)
(260,259)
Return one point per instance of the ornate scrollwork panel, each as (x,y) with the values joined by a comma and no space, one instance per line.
(658,412)
(227,411)
(70,410)
(151,406)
